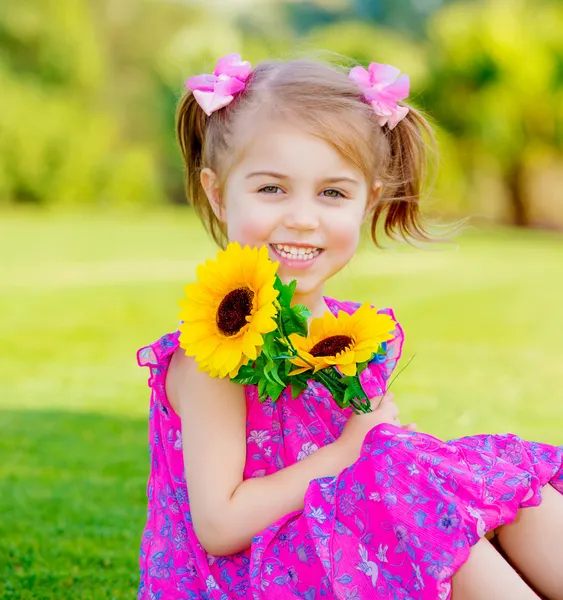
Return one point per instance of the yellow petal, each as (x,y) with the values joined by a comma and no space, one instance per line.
(248,347)
(363,355)
(299,371)
(344,358)
(349,369)
(262,322)
(207,347)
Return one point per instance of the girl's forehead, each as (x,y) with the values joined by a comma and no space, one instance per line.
(289,148)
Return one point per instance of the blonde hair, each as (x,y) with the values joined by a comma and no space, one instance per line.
(327,104)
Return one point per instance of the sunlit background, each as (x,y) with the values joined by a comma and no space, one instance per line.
(96,241)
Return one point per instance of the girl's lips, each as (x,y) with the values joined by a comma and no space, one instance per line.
(296,263)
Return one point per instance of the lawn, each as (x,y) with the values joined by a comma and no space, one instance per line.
(80,293)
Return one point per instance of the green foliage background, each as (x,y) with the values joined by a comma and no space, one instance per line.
(89,89)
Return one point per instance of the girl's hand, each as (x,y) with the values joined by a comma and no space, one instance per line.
(358,426)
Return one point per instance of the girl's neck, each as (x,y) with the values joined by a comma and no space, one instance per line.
(314,301)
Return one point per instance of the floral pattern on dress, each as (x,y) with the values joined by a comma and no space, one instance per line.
(396,524)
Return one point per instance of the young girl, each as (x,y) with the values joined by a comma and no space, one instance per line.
(299,498)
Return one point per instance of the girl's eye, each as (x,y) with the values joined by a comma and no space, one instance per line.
(332,193)
(270,189)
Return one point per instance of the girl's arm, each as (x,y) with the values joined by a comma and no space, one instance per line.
(228,512)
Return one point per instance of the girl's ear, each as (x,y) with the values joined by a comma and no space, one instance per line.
(373,198)
(210,184)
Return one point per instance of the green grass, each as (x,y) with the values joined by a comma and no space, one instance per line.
(79,294)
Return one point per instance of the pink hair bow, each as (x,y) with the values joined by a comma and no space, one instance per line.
(216,91)
(383,87)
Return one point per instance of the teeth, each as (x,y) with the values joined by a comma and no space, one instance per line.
(296,253)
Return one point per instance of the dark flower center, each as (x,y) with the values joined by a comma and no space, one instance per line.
(233,310)
(331,346)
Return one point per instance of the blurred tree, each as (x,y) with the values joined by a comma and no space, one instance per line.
(406,16)
(403,15)
(364,42)
(89,87)
(497,86)
(59,143)
(304,16)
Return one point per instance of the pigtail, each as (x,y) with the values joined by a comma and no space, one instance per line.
(191,127)
(411,146)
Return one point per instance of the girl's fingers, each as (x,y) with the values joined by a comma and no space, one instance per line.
(381,401)
(410,427)
(391,410)
(376,403)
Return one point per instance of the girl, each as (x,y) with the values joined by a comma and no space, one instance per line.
(298,498)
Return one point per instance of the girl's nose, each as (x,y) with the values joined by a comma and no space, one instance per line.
(302,215)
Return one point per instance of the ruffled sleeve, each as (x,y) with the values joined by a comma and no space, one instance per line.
(375,377)
(156,356)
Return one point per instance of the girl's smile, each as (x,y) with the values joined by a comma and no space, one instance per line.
(295,256)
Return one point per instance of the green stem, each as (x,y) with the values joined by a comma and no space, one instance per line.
(397,375)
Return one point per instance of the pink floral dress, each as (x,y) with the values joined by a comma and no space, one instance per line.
(396,524)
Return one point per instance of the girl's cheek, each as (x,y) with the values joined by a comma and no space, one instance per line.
(248,228)
(347,233)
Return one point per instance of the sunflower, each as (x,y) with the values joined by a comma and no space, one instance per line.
(228,310)
(342,341)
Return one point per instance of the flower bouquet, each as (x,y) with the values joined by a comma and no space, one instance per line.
(238,321)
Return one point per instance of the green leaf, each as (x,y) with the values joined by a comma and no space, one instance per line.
(269,390)
(341,400)
(269,347)
(275,391)
(246,370)
(301,311)
(362,366)
(331,385)
(259,364)
(271,374)
(249,380)
(287,368)
(290,325)
(294,320)
(354,390)
(333,374)
(262,390)
(246,376)
(286,292)
(297,388)
(283,357)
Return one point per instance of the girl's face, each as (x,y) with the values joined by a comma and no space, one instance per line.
(295,194)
